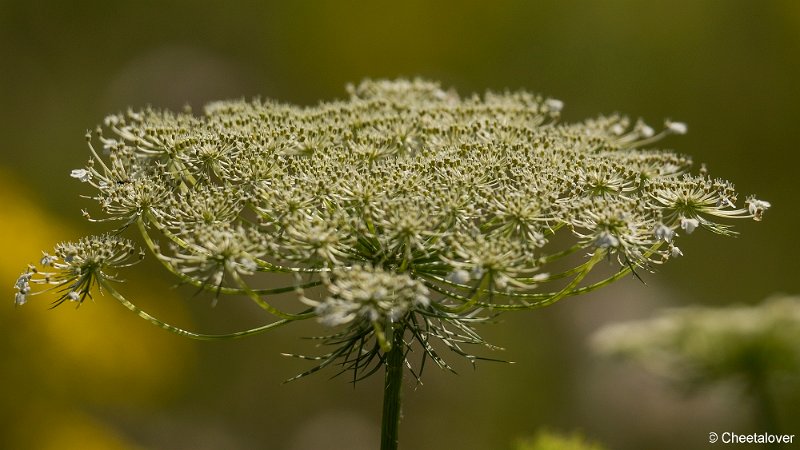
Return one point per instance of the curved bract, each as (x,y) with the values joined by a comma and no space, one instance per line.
(416,210)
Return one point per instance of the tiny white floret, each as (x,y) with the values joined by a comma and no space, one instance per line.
(757,207)
(539,277)
(47,259)
(459,276)
(663,232)
(689,225)
(645,130)
(618,129)
(606,240)
(81,174)
(676,127)
(554,105)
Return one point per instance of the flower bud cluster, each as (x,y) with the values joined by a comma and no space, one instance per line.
(75,268)
(369,293)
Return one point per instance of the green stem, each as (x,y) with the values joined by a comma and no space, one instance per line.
(765,410)
(181,332)
(393,381)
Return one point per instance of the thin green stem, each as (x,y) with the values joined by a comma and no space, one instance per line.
(179,331)
(263,303)
(393,382)
(153,247)
(540,299)
(263,266)
(765,409)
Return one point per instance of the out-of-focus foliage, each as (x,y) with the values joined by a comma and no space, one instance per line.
(758,347)
(547,440)
(60,369)
(699,345)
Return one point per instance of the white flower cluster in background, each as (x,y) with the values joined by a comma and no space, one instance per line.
(698,345)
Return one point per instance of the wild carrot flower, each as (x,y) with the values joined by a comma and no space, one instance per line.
(405,214)
(407,203)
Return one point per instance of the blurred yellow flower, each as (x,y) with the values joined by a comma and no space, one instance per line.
(56,365)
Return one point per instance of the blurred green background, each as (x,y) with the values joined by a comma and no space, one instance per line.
(99,377)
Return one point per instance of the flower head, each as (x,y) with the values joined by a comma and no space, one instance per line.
(76,267)
(406,207)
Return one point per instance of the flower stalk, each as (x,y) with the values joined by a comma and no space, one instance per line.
(392,392)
